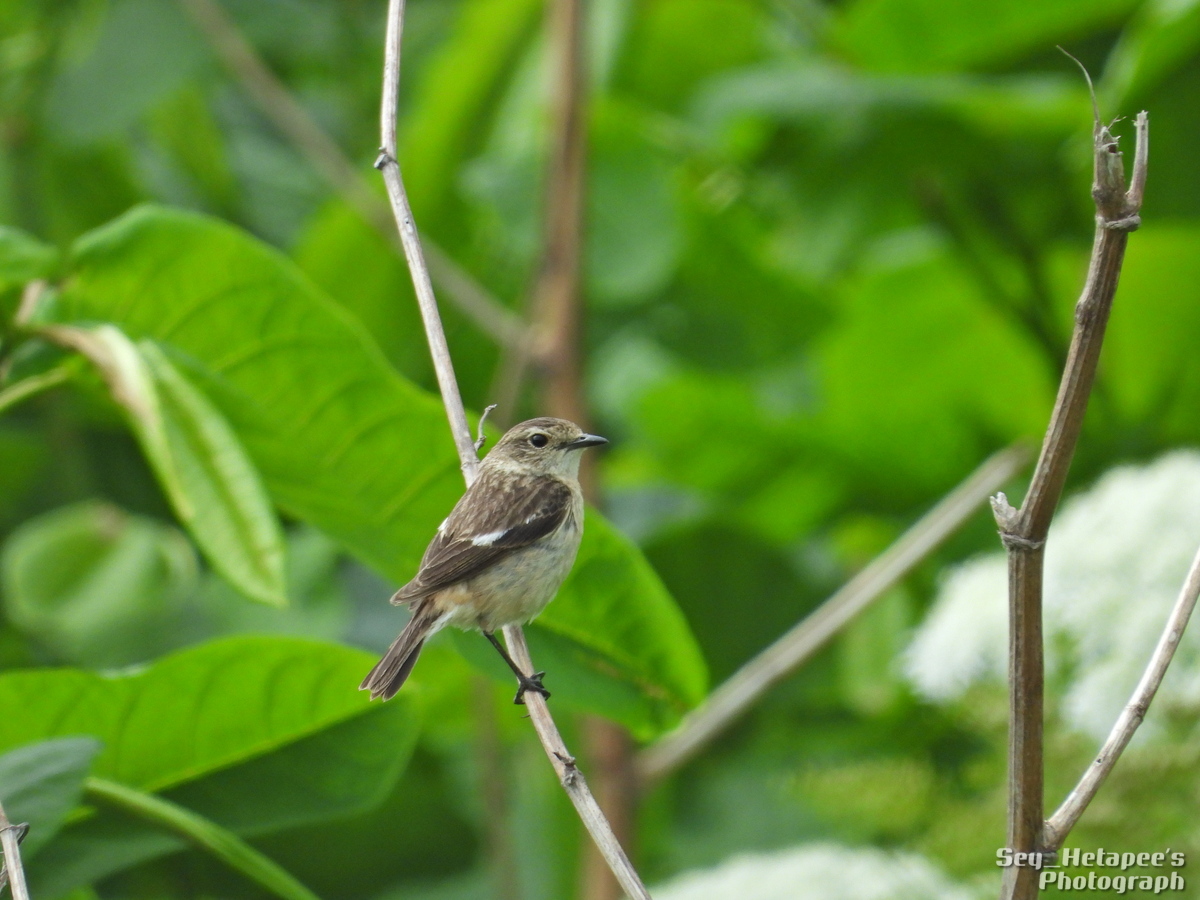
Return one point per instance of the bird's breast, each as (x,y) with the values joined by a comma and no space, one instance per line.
(519,586)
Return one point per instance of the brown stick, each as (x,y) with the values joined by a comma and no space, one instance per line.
(564,764)
(1024,531)
(1059,825)
(557,327)
(279,106)
(747,686)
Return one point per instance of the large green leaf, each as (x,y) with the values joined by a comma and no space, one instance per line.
(23,258)
(198,459)
(95,585)
(933,35)
(919,377)
(343,771)
(41,783)
(340,439)
(644,648)
(193,712)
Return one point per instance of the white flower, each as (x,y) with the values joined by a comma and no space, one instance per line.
(817,872)
(1115,560)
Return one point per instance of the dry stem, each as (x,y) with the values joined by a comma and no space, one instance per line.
(1024,531)
(564,764)
(746,686)
(10,838)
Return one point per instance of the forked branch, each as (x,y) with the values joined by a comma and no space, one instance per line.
(564,764)
(1024,531)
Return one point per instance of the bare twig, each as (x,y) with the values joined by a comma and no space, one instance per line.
(434,333)
(1059,825)
(746,686)
(564,764)
(480,437)
(10,838)
(1024,531)
(556,354)
(278,104)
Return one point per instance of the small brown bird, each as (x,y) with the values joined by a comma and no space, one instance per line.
(501,554)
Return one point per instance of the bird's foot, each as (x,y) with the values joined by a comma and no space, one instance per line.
(530,683)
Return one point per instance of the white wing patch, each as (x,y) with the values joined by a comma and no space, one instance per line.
(442,527)
(486,540)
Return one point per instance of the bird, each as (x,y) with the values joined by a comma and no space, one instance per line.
(500,556)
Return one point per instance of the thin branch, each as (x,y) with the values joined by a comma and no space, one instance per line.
(747,686)
(572,778)
(434,333)
(1059,825)
(564,764)
(278,104)
(480,437)
(10,837)
(1024,531)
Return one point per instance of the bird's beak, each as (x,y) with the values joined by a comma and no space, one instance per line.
(585,441)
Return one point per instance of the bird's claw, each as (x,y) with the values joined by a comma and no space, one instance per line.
(531,683)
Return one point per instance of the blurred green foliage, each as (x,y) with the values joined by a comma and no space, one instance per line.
(831,254)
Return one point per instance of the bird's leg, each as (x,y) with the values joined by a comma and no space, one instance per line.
(526,682)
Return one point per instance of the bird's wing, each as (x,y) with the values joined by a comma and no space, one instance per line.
(500,513)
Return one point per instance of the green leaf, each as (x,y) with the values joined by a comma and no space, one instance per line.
(41,783)
(1150,368)
(204,471)
(1163,36)
(634,230)
(921,419)
(231,515)
(682,31)
(356,266)
(207,835)
(345,770)
(444,128)
(193,712)
(95,585)
(23,258)
(643,665)
(821,95)
(935,35)
(143,51)
(340,439)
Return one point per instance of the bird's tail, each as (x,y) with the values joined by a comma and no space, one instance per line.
(392,671)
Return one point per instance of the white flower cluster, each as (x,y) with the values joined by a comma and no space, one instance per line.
(817,872)
(821,871)
(1115,561)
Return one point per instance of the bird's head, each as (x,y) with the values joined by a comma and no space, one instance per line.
(543,446)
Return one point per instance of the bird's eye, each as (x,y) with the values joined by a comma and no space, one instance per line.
(539,440)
